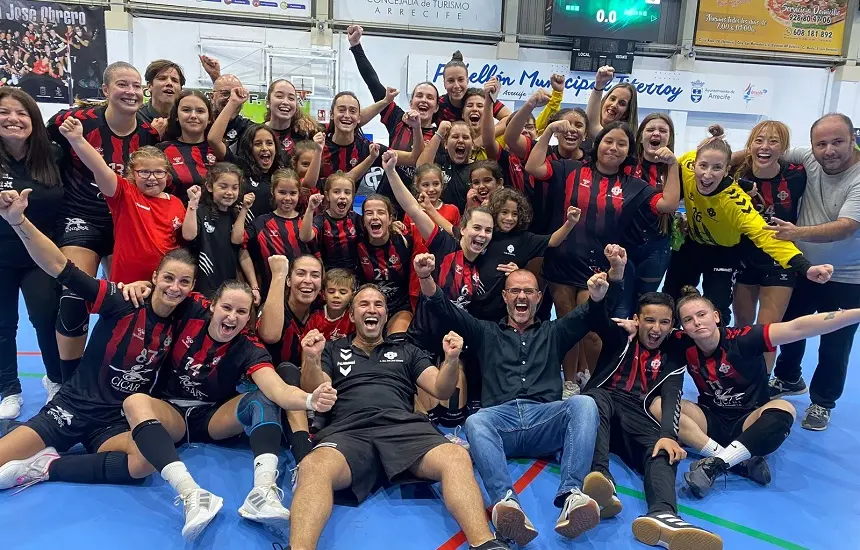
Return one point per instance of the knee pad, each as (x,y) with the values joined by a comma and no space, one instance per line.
(290,374)
(255,409)
(73,319)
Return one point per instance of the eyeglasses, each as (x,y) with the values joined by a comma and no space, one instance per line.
(146,174)
(516,291)
(530,127)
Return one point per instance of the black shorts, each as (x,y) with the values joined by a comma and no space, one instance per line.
(62,426)
(426,330)
(197,418)
(573,266)
(759,269)
(725,426)
(380,447)
(94,233)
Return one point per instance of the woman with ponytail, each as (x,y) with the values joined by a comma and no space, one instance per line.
(285,117)
(455,77)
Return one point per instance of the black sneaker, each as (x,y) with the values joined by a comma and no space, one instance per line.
(702,474)
(491,545)
(777,387)
(816,418)
(670,531)
(755,468)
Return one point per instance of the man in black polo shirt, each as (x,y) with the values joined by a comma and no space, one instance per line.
(523,414)
(374,434)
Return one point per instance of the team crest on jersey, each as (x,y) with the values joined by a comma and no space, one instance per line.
(724,368)
(178,161)
(510,250)
(394,260)
(177,223)
(616,191)
(62,416)
(231,134)
(139,333)
(353,162)
(188,341)
(712,213)
(351,231)
(287,143)
(76,224)
(783,195)
(365,261)
(655,364)
(208,227)
(210,159)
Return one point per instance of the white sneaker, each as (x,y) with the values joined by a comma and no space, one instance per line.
(200,508)
(569,390)
(579,514)
(263,505)
(28,471)
(51,387)
(10,406)
(511,522)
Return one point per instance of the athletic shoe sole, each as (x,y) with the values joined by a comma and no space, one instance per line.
(790,393)
(601,490)
(279,525)
(806,426)
(654,533)
(697,491)
(194,532)
(510,524)
(579,520)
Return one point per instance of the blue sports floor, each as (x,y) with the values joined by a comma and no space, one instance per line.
(812,502)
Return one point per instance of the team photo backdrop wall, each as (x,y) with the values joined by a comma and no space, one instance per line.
(54,52)
(473,15)
(269,8)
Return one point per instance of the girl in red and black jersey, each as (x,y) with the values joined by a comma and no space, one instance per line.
(647,235)
(451,149)
(608,199)
(348,151)
(277,233)
(185,143)
(212,354)
(215,230)
(258,153)
(85,226)
(568,147)
(288,122)
(337,231)
(455,76)
(385,259)
(776,188)
(733,424)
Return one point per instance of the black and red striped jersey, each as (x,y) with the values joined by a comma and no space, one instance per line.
(607,205)
(332,329)
(638,372)
(289,138)
(189,164)
(202,369)
(346,157)
(735,375)
(217,256)
(400,137)
(538,191)
(125,350)
(388,266)
(272,235)
(337,240)
(289,347)
(514,174)
(778,197)
(646,226)
(83,198)
(447,111)
(458,277)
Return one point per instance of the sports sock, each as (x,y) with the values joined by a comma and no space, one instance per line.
(768,432)
(265,469)
(301,445)
(734,454)
(68,367)
(109,467)
(711,448)
(266,439)
(176,474)
(155,443)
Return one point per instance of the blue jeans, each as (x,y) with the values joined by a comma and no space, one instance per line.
(527,429)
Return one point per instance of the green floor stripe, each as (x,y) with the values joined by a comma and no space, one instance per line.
(31,374)
(776,541)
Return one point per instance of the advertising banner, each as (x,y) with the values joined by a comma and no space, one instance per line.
(293,8)
(797,26)
(663,90)
(473,15)
(54,52)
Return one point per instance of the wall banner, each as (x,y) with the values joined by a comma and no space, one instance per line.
(273,8)
(797,26)
(473,15)
(663,90)
(54,52)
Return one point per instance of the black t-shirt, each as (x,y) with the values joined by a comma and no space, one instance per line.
(147,113)
(189,164)
(389,266)
(202,369)
(42,211)
(734,377)
(457,181)
(125,351)
(235,128)
(218,257)
(386,379)
(257,183)
(83,198)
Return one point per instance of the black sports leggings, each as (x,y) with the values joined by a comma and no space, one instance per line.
(42,297)
(714,266)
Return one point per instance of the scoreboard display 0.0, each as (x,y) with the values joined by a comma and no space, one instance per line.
(637,20)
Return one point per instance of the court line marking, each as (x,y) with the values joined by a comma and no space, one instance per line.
(716,520)
(459,539)
(30,353)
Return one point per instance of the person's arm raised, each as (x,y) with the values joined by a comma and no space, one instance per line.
(560,234)
(517,143)
(811,325)
(536,164)
(488,123)
(105,177)
(41,249)
(313,376)
(441,382)
(604,76)
(428,155)
(271,325)
(668,203)
(215,137)
(405,199)
(189,224)
(306,227)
